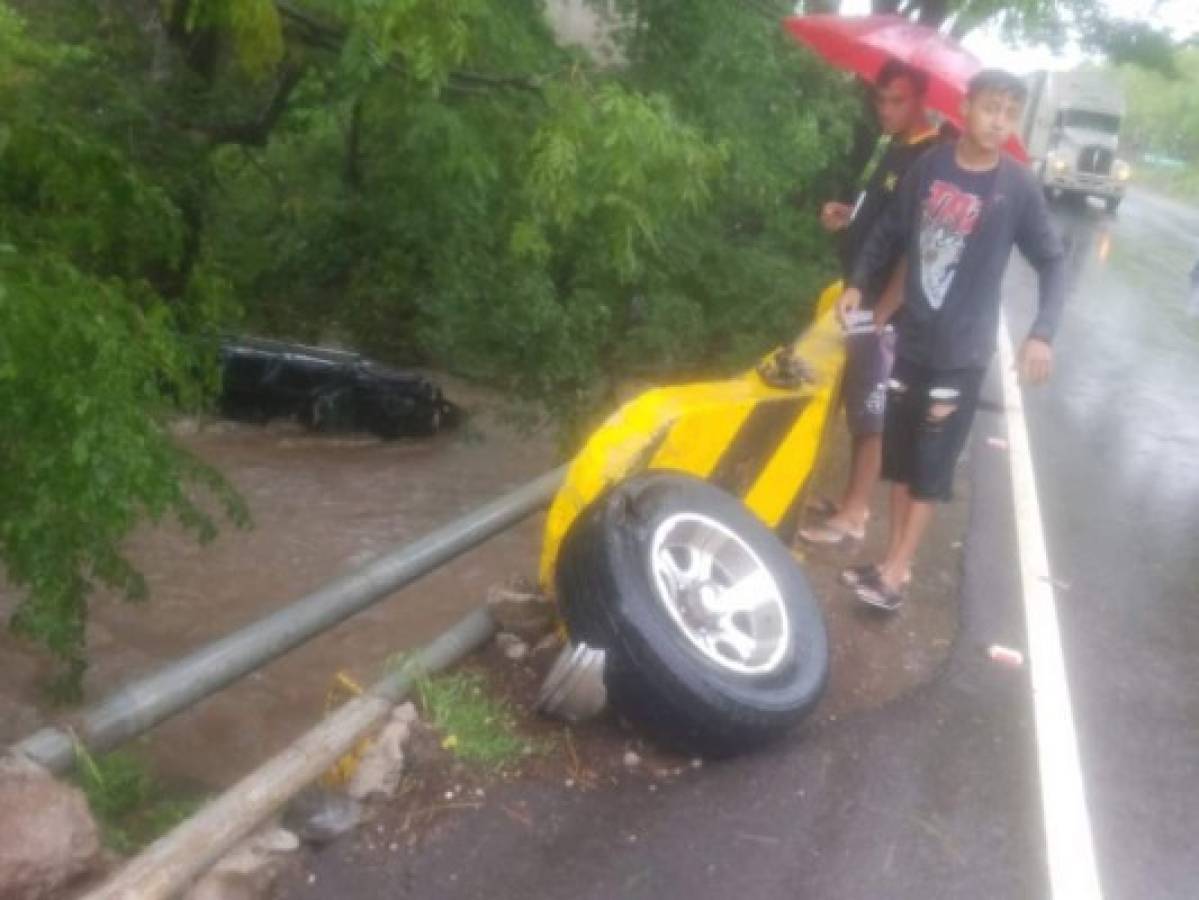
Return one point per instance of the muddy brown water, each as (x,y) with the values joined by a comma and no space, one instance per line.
(323,505)
(320,507)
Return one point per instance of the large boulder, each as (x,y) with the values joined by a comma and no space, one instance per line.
(49,838)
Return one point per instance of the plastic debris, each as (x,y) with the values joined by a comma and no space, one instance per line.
(1006,656)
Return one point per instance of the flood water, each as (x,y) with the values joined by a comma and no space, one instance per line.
(320,506)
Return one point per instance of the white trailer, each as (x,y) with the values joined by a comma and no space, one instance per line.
(1072,133)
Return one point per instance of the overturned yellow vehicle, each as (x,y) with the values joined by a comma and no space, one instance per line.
(666,548)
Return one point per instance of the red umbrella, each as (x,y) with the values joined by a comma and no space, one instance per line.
(862,44)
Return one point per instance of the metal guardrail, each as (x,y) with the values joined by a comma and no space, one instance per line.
(143,704)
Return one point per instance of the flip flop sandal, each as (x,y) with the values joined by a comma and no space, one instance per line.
(855,575)
(830,535)
(852,576)
(824,507)
(877,595)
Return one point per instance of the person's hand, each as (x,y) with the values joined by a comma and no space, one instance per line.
(835,216)
(1035,364)
(848,304)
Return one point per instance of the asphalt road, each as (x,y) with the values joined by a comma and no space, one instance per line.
(936,793)
(1116,446)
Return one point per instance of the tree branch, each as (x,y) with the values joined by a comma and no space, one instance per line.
(330,36)
(256,131)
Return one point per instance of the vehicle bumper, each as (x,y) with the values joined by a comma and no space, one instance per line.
(1096,185)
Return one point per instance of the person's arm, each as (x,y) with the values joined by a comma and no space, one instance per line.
(1040,244)
(892,296)
(887,239)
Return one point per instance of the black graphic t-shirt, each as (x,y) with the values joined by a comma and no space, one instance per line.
(874,199)
(948,216)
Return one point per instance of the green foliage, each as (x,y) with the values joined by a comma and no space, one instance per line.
(475,725)
(91,359)
(1163,111)
(131,807)
(432,181)
(253,26)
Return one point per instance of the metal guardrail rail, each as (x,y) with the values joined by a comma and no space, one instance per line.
(139,706)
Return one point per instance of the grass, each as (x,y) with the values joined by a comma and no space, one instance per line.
(474,724)
(130,805)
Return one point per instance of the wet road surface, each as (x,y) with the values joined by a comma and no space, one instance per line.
(936,793)
(1116,446)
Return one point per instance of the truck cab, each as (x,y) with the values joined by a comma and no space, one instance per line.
(1072,132)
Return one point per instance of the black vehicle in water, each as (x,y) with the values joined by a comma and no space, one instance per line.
(328,390)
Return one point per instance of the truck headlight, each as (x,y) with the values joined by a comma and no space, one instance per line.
(1058,164)
(1122,170)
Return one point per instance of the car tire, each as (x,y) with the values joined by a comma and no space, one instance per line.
(713,638)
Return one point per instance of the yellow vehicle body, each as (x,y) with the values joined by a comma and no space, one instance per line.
(756,441)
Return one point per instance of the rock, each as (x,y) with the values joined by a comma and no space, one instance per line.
(382,765)
(249,871)
(550,642)
(517,652)
(47,835)
(318,815)
(520,609)
(514,648)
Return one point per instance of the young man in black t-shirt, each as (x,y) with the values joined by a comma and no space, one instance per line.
(957,215)
(899,102)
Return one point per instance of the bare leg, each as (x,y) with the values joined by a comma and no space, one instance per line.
(897,565)
(901,500)
(865,465)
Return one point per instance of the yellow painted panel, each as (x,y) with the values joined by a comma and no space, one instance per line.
(701,421)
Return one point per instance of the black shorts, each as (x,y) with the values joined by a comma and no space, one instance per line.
(920,450)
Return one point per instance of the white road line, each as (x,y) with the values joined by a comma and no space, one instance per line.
(1073,874)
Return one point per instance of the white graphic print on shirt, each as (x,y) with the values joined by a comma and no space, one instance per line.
(949,217)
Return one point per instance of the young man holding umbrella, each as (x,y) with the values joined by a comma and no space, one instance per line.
(899,102)
(958,213)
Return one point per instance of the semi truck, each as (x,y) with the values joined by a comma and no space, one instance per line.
(1071,130)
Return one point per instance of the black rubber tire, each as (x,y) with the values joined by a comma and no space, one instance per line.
(654,675)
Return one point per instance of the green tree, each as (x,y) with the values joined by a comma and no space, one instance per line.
(431,180)
(91,354)
(1163,112)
